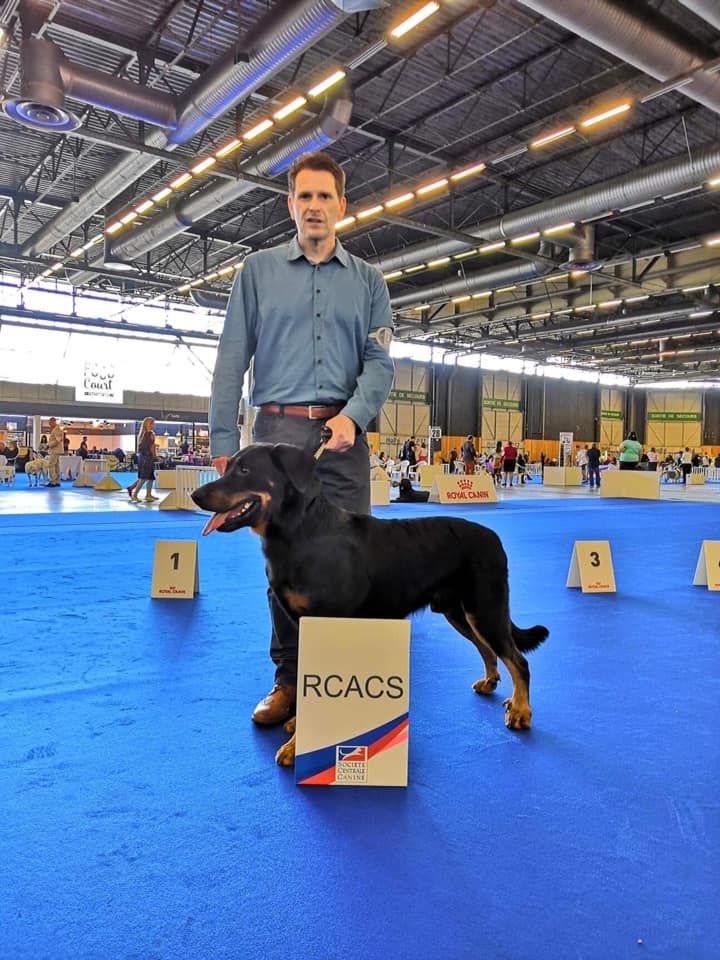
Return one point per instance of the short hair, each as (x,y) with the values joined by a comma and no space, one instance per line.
(317,161)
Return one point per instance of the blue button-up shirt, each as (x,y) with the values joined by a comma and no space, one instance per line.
(311,331)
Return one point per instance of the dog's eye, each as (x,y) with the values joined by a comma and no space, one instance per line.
(244,470)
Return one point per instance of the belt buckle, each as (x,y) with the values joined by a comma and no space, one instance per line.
(311,407)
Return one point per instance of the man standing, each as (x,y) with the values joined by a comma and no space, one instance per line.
(468,454)
(593,466)
(316,322)
(55,447)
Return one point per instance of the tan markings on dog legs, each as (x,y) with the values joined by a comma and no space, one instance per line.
(286,754)
(297,602)
(261,525)
(518,715)
(487,685)
(289,725)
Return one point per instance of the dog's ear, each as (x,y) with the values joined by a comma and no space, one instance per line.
(296,464)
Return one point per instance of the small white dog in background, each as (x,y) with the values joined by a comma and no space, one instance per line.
(37,468)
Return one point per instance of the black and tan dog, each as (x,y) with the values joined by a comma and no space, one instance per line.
(325,562)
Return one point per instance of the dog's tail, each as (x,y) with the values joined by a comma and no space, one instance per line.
(530,639)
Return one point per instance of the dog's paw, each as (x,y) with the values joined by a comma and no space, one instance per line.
(286,754)
(486,686)
(289,727)
(517,718)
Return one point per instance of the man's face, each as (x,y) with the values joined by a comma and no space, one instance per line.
(315,206)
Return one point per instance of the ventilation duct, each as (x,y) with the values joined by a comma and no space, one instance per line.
(48,77)
(641,37)
(582,249)
(669,176)
(500,277)
(706,9)
(312,135)
(291,28)
(208,300)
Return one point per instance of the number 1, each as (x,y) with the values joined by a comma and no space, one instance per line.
(175,557)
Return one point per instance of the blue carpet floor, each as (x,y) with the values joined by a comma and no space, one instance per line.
(142,816)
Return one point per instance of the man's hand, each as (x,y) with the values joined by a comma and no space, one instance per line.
(220,464)
(344,432)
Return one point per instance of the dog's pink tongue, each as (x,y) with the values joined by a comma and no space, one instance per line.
(215,521)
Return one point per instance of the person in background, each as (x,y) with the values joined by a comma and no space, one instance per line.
(146,454)
(453,461)
(652,459)
(497,462)
(581,461)
(83,449)
(593,466)
(184,447)
(43,448)
(521,467)
(509,462)
(630,451)
(469,453)
(66,444)
(686,464)
(55,448)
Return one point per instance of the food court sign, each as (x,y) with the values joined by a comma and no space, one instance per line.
(98,383)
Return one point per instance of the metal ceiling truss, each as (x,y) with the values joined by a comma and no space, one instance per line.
(489,75)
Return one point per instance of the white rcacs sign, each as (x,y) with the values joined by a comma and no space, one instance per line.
(98,382)
(352,702)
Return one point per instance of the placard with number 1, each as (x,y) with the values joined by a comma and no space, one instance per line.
(591,567)
(175,570)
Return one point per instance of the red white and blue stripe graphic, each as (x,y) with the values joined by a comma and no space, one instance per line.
(318,766)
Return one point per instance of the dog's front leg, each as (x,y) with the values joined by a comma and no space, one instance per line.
(286,754)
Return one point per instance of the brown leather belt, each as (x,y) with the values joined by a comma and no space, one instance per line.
(313,411)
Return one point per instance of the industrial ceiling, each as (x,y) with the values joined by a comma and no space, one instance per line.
(535,178)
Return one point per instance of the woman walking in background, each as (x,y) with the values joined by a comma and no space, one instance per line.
(146,454)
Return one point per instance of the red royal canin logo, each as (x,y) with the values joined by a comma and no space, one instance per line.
(465,484)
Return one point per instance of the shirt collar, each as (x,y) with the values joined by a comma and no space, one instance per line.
(340,253)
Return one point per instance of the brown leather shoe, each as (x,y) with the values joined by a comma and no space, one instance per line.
(277,706)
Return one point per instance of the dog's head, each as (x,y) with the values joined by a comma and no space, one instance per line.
(261,483)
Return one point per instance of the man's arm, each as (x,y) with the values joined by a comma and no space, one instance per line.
(376,377)
(235,349)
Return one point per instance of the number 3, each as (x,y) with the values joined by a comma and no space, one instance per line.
(594,558)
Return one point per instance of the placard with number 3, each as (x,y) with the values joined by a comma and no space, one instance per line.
(591,567)
(175,570)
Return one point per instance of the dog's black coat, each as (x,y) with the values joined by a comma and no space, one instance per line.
(323,561)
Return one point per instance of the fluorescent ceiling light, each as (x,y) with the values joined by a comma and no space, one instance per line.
(289,108)
(369,212)
(430,187)
(399,200)
(552,137)
(204,165)
(605,115)
(180,181)
(328,82)
(468,172)
(228,148)
(406,25)
(259,128)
